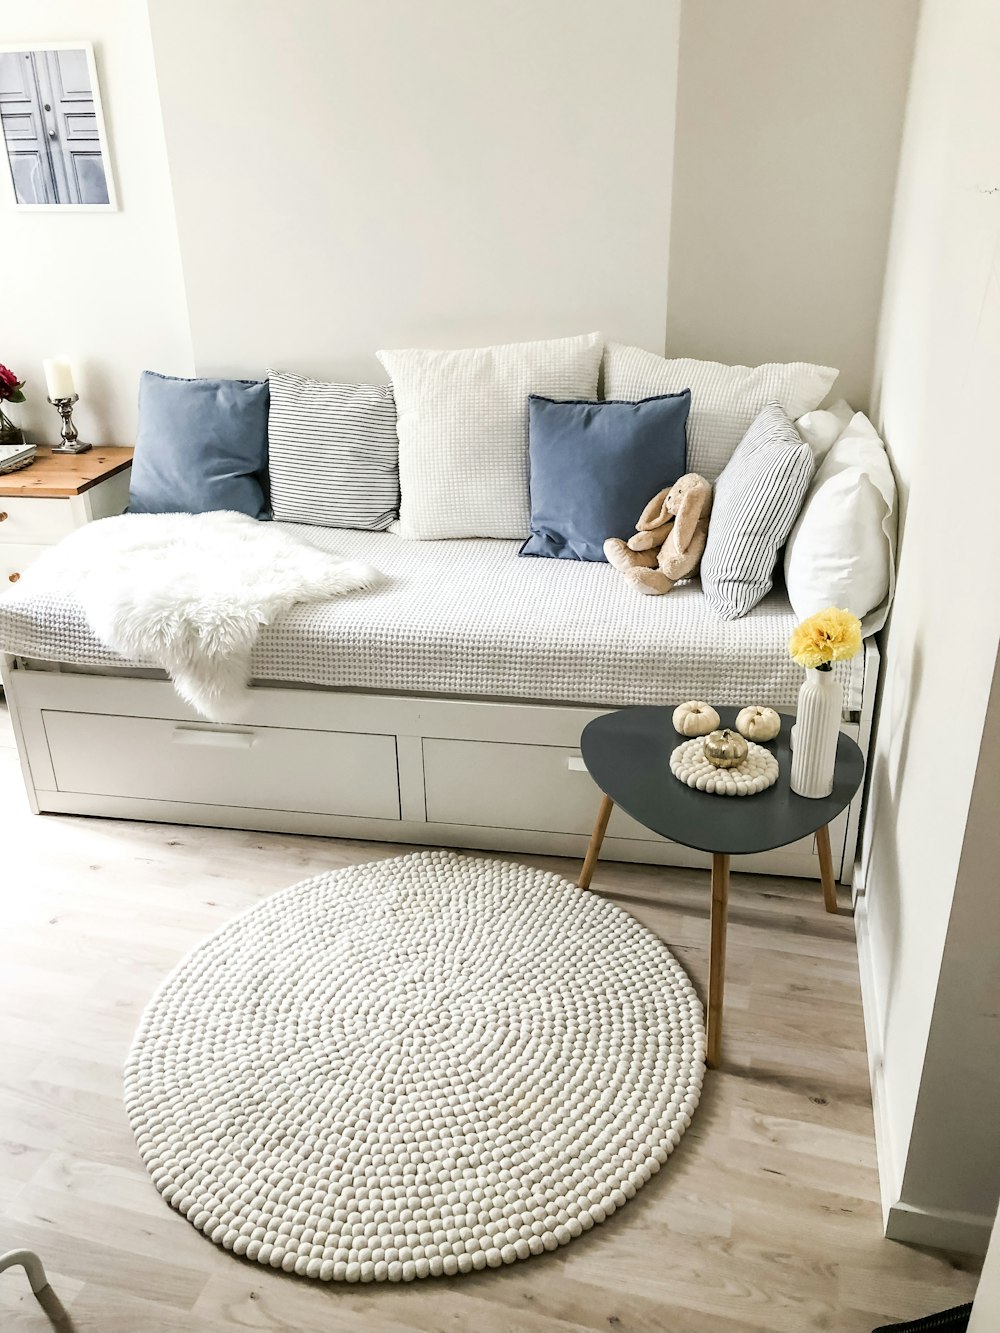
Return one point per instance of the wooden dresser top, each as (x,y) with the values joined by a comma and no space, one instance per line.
(55,476)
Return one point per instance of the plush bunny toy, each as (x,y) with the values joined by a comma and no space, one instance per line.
(669,537)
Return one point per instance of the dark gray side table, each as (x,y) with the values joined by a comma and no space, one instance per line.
(627,753)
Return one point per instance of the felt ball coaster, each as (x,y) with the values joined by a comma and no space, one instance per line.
(757,772)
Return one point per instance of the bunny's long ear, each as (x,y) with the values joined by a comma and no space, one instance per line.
(655,514)
(694,502)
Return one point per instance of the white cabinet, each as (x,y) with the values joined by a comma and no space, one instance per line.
(493,784)
(274,768)
(15,557)
(53,495)
(391,768)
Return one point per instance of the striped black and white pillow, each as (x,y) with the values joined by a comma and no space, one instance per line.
(333,453)
(757,500)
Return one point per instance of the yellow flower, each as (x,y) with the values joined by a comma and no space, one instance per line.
(828,636)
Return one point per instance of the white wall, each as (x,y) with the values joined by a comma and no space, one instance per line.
(103,287)
(383,173)
(379,172)
(986,1307)
(931,902)
(958,1098)
(789,115)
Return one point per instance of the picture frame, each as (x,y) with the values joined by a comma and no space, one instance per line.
(52,129)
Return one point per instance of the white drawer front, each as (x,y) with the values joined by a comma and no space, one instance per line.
(268,768)
(35,521)
(15,559)
(491,784)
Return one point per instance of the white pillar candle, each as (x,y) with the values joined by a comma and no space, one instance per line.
(59,377)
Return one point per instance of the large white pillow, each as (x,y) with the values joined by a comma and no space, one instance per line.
(841,551)
(462,421)
(724,399)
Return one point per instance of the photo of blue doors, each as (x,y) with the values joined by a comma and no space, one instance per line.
(51,127)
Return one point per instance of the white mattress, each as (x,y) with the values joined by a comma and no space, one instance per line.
(471,619)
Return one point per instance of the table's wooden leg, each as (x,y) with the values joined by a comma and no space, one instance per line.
(717,956)
(826,868)
(596,839)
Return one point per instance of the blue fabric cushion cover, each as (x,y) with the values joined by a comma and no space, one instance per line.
(595,467)
(201,445)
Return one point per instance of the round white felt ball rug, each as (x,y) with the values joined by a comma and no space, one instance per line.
(425,1065)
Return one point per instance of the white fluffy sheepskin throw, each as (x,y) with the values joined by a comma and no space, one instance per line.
(190,592)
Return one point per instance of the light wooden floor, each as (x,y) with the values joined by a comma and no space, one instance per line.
(765,1219)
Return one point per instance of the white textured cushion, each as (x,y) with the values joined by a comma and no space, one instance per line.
(724,399)
(841,551)
(333,453)
(462,420)
(757,499)
(469,619)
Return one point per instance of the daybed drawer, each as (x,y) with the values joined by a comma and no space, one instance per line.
(267,768)
(15,559)
(492,784)
(34,520)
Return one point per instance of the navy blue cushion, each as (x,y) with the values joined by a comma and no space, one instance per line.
(201,445)
(595,467)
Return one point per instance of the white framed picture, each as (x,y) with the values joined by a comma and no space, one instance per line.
(53,128)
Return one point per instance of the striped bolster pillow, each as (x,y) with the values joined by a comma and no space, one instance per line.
(757,500)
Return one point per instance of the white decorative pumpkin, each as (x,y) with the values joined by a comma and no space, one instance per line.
(758,724)
(695,718)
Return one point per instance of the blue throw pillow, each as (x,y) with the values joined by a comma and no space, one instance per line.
(201,445)
(595,467)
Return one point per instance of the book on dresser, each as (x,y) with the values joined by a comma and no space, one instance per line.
(13,457)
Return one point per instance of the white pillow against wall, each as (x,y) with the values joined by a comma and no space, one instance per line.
(462,421)
(823,428)
(841,551)
(724,399)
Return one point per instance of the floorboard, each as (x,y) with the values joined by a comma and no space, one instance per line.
(765,1220)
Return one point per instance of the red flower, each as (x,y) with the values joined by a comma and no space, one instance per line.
(10,386)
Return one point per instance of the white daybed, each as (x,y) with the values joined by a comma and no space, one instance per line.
(444,707)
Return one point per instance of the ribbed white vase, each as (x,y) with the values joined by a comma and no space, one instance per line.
(817,726)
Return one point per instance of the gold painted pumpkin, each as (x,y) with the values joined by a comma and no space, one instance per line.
(725,749)
(758,724)
(695,718)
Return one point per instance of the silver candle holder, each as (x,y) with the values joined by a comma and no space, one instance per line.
(70,442)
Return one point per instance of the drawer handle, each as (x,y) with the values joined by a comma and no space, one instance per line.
(2,516)
(575,764)
(230,740)
(13,578)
